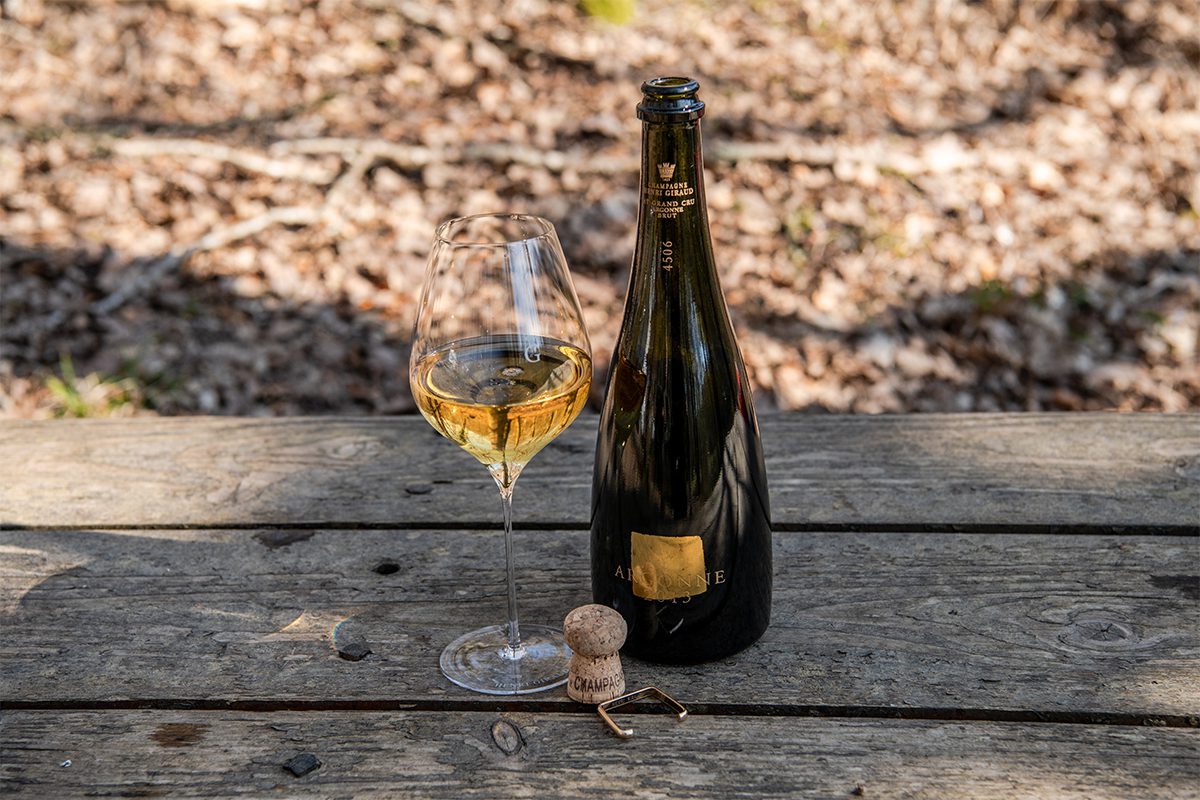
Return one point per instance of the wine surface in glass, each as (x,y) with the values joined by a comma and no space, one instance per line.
(502,398)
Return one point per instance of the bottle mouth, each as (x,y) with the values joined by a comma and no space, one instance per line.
(670,99)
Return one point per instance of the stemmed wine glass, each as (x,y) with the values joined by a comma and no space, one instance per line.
(501,365)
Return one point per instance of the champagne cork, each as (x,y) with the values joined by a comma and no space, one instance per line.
(595,633)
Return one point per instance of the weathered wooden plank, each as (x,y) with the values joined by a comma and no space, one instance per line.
(1098,471)
(1021,625)
(457,755)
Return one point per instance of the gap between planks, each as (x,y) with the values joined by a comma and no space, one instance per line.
(571,525)
(559,707)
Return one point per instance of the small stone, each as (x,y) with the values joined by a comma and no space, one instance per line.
(302,764)
(92,197)
(1045,177)
(355,651)
(992,195)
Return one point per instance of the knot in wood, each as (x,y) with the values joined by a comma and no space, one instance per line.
(594,630)
(1102,634)
(507,737)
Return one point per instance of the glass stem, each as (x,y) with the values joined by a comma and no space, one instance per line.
(514,630)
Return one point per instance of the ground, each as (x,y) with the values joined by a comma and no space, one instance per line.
(225,206)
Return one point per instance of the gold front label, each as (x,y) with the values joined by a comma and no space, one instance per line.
(667,567)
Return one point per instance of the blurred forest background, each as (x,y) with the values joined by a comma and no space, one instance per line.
(225,206)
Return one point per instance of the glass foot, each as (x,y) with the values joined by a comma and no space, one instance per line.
(482,662)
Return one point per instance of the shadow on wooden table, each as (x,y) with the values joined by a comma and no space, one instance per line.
(265,617)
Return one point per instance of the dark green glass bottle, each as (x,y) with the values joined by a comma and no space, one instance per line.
(681,532)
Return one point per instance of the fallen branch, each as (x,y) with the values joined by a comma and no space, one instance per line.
(157,269)
(283,215)
(331,208)
(417,156)
(303,171)
(282,163)
(358,168)
(813,154)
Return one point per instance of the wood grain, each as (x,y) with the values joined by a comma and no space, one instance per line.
(458,755)
(1020,626)
(1095,472)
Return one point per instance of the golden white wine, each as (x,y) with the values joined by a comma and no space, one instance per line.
(502,398)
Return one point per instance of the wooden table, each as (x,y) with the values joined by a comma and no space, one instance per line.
(965,606)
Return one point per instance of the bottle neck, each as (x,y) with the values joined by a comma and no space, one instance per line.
(672,191)
(674,291)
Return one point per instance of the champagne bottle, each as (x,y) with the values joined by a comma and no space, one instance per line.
(681,532)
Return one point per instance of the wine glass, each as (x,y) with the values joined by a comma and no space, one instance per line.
(501,365)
